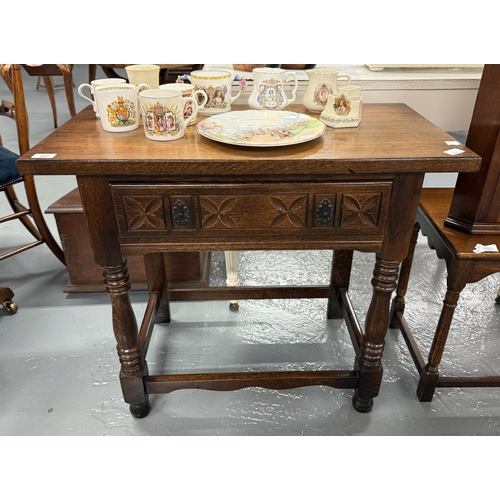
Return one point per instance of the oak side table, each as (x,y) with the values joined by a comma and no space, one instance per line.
(350,189)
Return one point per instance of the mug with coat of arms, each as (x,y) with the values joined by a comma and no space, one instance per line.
(117,105)
(217,87)
(162,113)
(97,83)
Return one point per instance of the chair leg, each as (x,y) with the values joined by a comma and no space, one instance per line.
(66,72)
(458,272)
(40,220)
(232,276)
(430,374)
(92,72)
(17,207)
(49,86)
(6,295)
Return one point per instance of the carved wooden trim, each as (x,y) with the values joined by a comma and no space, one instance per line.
(360,210)
(214,213)
(344,206)
(144,213)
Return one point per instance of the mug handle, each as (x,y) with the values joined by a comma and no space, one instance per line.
(345,75)
(195,109)
(204,98)
(143,86)
(231,99)
(293,76)
(80,91)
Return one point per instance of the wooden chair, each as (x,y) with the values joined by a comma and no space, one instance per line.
(455,221)
(463,266)
(47,72)
(31,215)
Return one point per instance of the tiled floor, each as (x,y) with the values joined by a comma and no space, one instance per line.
(59,370)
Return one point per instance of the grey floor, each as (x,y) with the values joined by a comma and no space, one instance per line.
(59,369)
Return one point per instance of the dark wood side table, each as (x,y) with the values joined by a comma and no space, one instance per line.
(463,266)
(242,198)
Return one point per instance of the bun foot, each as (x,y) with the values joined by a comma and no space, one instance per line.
(362,405)
(140,411)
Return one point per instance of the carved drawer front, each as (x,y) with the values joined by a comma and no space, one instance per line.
(336,207)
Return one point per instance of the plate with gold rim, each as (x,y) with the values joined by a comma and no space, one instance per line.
(260,128)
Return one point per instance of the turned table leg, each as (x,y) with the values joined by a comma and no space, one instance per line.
(103,233)
(133,369)
(369,362)
(398,304)
(340,276)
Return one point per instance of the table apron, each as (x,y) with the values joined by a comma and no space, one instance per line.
(251,216)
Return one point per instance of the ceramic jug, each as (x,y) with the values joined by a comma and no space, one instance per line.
(269,88)
(322,83)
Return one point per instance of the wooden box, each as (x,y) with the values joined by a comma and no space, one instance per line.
(183,268)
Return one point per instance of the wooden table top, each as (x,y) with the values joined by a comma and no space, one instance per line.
(391,138)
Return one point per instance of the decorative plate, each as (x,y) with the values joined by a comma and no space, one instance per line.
(261,128)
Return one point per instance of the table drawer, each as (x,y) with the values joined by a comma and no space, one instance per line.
(342,208)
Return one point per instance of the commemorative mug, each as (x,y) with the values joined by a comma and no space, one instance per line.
(163,113)
(92,85)
(118,106)
(144,73)
(188,90)
(323,82)
(217,85)
(269,88)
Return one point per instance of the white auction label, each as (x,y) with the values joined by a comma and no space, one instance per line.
(44,155)
(454,151)
(452,143)
(485,248)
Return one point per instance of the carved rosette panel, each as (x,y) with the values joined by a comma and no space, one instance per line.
(248,211)
(293,213)
(143,213)
(216,214)
(360,210)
